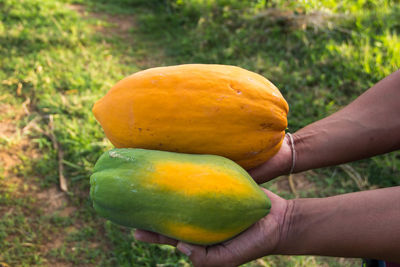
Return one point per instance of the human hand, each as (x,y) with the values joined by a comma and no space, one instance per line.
(279,164)
(262,238)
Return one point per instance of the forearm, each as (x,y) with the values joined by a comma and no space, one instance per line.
(368,126)
(364,224)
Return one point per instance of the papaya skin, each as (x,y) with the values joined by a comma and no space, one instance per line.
(200,199)
(198,109)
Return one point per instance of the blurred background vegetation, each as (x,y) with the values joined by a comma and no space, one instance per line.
(57,57)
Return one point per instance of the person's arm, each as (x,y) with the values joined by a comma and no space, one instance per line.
(363,224)
(368,126)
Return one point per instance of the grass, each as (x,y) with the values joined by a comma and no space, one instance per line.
(56,61)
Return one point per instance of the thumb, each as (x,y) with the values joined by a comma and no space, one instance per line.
(278,165)
(187,249)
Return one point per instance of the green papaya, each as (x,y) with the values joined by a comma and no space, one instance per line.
(200,199)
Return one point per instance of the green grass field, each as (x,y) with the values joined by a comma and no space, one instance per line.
(57,57)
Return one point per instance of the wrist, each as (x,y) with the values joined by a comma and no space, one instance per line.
(284,245)
(297,236)
(303,140)
(308,143)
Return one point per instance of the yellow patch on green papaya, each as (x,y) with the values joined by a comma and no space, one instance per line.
(197,179)
(199,235)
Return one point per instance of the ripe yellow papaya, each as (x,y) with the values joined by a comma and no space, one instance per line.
(198,109)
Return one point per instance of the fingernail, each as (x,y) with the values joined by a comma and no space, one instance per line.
(184,248)
(138,236)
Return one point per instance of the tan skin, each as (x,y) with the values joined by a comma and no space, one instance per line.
(363,224)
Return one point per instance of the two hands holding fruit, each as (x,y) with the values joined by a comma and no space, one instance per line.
(363,224)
